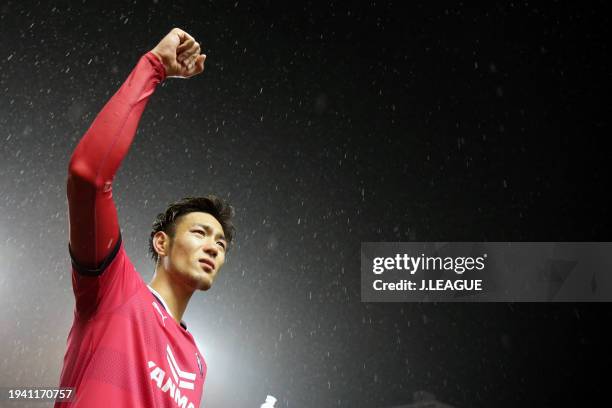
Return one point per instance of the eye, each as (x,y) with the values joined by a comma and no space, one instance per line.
(222,244)
(201,232)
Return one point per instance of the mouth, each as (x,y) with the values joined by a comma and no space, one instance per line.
(207,264)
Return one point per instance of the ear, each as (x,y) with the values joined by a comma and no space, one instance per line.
(161,243)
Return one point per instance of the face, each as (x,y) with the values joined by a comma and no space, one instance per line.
(196,253)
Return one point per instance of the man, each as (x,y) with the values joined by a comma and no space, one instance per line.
(128,345)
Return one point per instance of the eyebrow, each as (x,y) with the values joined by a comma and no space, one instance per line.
(208,228)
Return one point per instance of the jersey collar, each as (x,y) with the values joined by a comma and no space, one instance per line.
(165,306)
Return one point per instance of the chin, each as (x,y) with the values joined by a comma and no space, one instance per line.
(204,282)
(197,281)
(205,285)
(200,280)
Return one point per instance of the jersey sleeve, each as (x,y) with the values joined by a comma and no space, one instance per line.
(95,237)
(94,228)
(98,294)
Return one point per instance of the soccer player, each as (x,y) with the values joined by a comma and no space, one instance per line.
(128,345)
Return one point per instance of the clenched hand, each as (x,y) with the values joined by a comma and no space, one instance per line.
(180,54)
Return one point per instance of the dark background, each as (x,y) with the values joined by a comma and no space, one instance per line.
(325,125)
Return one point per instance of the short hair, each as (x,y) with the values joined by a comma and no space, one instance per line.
(211,204)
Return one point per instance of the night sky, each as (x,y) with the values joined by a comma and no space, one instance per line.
(324,125)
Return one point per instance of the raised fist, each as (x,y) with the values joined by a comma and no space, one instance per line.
(180,54)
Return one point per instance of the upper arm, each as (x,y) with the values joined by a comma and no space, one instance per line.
(93,223)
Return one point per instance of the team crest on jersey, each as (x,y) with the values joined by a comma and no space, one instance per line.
(175,381)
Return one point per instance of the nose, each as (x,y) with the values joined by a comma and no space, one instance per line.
(210,248)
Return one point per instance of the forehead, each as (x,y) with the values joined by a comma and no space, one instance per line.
(189,220)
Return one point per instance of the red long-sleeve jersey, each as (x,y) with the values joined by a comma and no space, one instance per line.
(124,348)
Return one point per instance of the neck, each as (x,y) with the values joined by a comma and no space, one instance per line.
(176,296)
